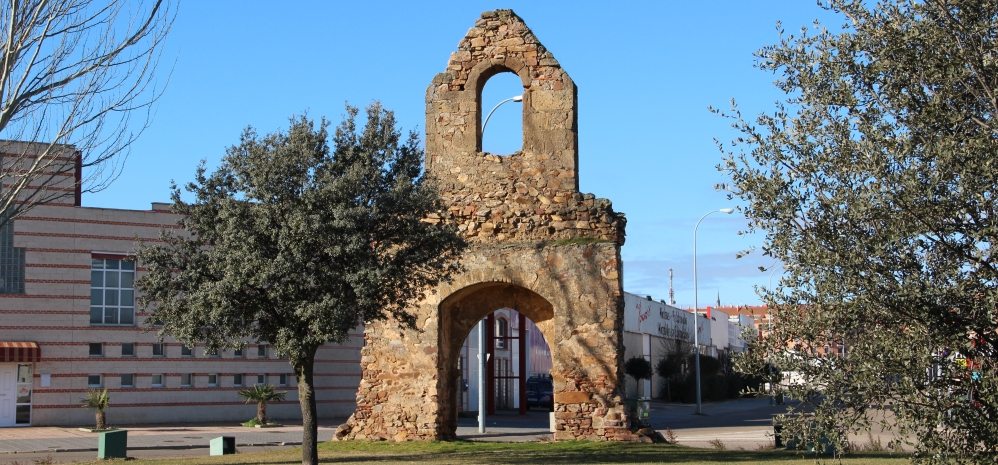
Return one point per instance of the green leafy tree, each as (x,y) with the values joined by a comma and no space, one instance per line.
(262,394)
(874,181)
(98,400)
(638,368)
(297,243)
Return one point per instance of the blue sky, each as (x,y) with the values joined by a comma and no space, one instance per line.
(646,73)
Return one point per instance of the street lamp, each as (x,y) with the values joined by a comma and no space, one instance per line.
(483,358)
(696,305)
(515,98)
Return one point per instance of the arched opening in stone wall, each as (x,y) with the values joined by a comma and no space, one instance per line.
(517,374)
(519,358)
(503,134)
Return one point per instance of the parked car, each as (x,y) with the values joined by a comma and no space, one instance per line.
(540,392)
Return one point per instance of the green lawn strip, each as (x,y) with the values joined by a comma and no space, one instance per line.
(468,452)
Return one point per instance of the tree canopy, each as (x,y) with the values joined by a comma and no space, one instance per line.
(296,243)
(874,182)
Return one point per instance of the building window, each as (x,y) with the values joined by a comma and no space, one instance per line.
(128,349)
(112,296)
(11,261)
(157,349)
(237,380)
(157,380)
(261,380)
(128,380)
(261,351)
(502,332)
(282,380)
(187,380)
(238,353)
(186,351)
(96,349)
(213,380)
(94,381)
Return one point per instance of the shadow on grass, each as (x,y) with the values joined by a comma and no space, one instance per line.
(552,453)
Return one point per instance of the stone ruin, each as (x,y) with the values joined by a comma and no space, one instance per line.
(536,245)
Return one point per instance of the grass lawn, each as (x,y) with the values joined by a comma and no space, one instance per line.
(465,452)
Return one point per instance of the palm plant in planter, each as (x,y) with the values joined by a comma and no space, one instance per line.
(261,394)
(99,400)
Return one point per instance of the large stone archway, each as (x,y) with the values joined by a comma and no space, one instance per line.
(536,245)
(459,313)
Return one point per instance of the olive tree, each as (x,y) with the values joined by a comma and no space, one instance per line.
(874,181)
(296,242)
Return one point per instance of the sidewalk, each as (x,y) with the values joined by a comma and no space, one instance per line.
(145,437)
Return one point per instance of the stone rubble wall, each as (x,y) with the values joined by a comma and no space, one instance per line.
(571,292)
(536,244)
(524,214)
(501,42)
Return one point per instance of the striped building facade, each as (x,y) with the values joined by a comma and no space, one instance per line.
(69,323)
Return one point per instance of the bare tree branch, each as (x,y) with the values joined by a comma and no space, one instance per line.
(77,81)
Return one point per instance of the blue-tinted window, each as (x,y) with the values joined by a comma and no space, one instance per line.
(112,297)
(11,261)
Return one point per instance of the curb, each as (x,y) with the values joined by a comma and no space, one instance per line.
(165,447)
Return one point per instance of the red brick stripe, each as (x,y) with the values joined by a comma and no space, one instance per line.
(43,249)
(43,296)
(89,236)
(112,223)
(57,281)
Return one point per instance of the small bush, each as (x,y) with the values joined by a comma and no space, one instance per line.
(708,365)
(251,423)
(670,436)
(638,368)
(670,366)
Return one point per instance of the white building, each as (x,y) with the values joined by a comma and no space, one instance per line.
(654,329)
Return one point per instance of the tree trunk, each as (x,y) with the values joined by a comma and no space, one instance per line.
(100,420)
(306,398)
(261,412)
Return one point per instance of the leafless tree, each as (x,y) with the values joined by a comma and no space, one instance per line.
(77,81)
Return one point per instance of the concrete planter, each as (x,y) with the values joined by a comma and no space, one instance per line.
(222,445)
(112,444)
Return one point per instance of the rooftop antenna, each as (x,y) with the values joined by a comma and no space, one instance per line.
(672,293)
(719,299)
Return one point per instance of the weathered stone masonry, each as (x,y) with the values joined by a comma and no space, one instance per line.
(537,245)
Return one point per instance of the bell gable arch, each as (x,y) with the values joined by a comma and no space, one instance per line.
(536,244)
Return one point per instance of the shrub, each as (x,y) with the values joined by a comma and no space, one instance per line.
(670,366)
(638,368)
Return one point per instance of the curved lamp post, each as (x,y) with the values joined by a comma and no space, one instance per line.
(696,306)
(482,356)
(515,98)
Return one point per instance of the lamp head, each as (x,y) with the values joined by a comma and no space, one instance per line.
(518,98)
(727,211)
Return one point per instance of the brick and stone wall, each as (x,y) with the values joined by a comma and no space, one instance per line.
(537,245)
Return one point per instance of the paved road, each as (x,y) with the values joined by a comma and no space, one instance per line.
(743,423)
(24,445)
(738,424)
(86,456)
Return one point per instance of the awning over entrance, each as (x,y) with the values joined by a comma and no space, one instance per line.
(11,351)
